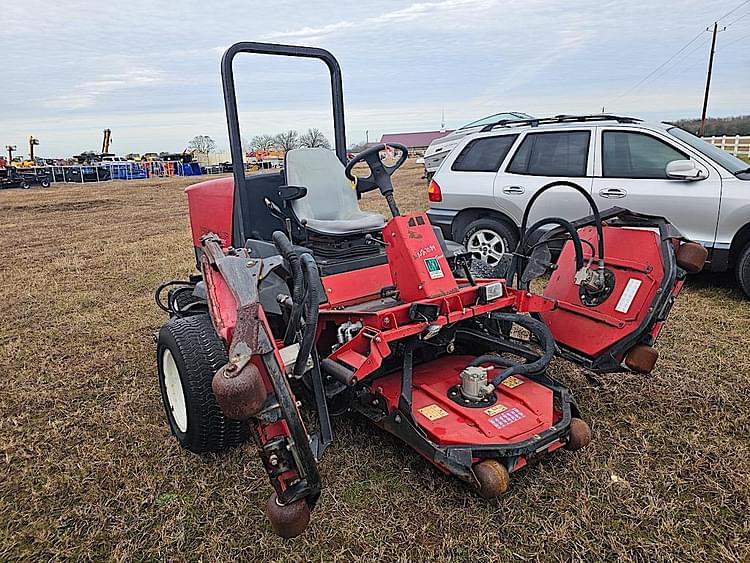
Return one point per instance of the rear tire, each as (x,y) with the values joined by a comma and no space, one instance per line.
(488,238)
(44,183)
(743,270)
(189,352)
(25,185)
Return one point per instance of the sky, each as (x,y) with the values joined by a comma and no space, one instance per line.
(149,70)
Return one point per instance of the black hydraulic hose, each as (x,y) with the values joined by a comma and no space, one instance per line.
(535,327)
(565,224)
(285,248)
(312,303)
(594,210)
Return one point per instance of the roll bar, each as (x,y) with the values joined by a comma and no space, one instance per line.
(230,103)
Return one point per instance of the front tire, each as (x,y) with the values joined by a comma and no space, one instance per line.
(488,239)
(189,352)
(742,270)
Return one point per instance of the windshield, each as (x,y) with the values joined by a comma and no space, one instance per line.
(722,157)
(496,117)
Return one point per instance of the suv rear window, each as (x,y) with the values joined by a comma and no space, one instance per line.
(627,154)
(484,155)
(563,153)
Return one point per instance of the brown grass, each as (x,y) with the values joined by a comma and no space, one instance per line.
(90,470)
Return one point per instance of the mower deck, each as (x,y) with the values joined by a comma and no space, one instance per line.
(521,408)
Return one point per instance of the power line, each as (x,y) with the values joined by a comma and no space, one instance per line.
(658,68)
(662,65)
(738,19)
(736,41)
(730,12)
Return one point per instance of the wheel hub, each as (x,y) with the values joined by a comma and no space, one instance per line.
(175,394)
(486,245)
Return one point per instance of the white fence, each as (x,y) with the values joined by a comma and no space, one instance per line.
(737,145)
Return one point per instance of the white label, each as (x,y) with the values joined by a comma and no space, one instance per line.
(626,299)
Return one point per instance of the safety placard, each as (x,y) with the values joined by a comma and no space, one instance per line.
(495,409)
(433,268)
(512,382)
(626,299)
(506,418)
(432,412)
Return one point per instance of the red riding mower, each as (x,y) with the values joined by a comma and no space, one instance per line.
(301,294)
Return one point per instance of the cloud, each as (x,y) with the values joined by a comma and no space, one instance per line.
(421,11)
(86,94)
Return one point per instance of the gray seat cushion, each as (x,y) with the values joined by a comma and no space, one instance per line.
(330,206)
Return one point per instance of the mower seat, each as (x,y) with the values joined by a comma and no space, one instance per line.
(330,206)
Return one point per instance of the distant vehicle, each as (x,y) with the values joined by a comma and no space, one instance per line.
(114,159)
(151,157)
(132,156)
(10,177)
(480,191)
(440,148)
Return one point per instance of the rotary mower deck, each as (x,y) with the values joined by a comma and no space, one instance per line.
(303,298)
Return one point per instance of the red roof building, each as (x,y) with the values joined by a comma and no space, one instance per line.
(414,141)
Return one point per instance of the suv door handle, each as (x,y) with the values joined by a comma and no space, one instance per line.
(513,190)
(612,193)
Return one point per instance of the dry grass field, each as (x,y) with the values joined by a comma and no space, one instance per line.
(89,470)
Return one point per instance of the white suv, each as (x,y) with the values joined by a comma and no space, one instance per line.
(479,193)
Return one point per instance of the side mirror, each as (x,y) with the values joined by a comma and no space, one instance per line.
(684,170)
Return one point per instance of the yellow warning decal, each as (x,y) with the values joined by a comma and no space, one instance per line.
(432,412)
(512,382)
(495,409)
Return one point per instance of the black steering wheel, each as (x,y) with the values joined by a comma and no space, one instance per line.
(380,174)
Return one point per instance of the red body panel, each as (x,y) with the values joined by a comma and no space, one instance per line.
(210,207)
(521,410)
(418,266)
(635,258)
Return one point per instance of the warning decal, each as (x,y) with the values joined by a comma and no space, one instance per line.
(506,418)
(495,409)
(512,382)
(626,299)
(432,412)
(433,268)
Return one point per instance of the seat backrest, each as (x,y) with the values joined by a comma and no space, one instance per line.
(329,192)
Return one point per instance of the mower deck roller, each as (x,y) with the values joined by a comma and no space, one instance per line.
(348,312)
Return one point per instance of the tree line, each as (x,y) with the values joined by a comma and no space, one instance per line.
(288,140)
(717,126)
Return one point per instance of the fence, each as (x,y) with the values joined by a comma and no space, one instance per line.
(737,145)
(107,171)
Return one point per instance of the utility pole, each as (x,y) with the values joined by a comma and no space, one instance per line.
(708,78)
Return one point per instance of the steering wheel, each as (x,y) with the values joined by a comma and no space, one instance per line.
(380,174)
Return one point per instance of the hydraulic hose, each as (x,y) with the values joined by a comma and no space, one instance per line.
(285,248)
(535,327)
(594,210)
(312,302)
(565,224)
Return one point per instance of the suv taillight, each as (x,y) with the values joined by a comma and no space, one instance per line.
(433,191)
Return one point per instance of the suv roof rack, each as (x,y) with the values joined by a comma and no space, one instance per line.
(535,122)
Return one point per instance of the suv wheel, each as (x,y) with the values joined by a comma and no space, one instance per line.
(487,239)
(743,270)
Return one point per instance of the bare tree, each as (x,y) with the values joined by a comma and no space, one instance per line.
(314,138)
(263,142)
(202,144)
(287,140)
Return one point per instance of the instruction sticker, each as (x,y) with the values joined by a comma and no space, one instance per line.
(433,268)
(506,418)
(512,382)
(495,409)
(626,299)
(432,412)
